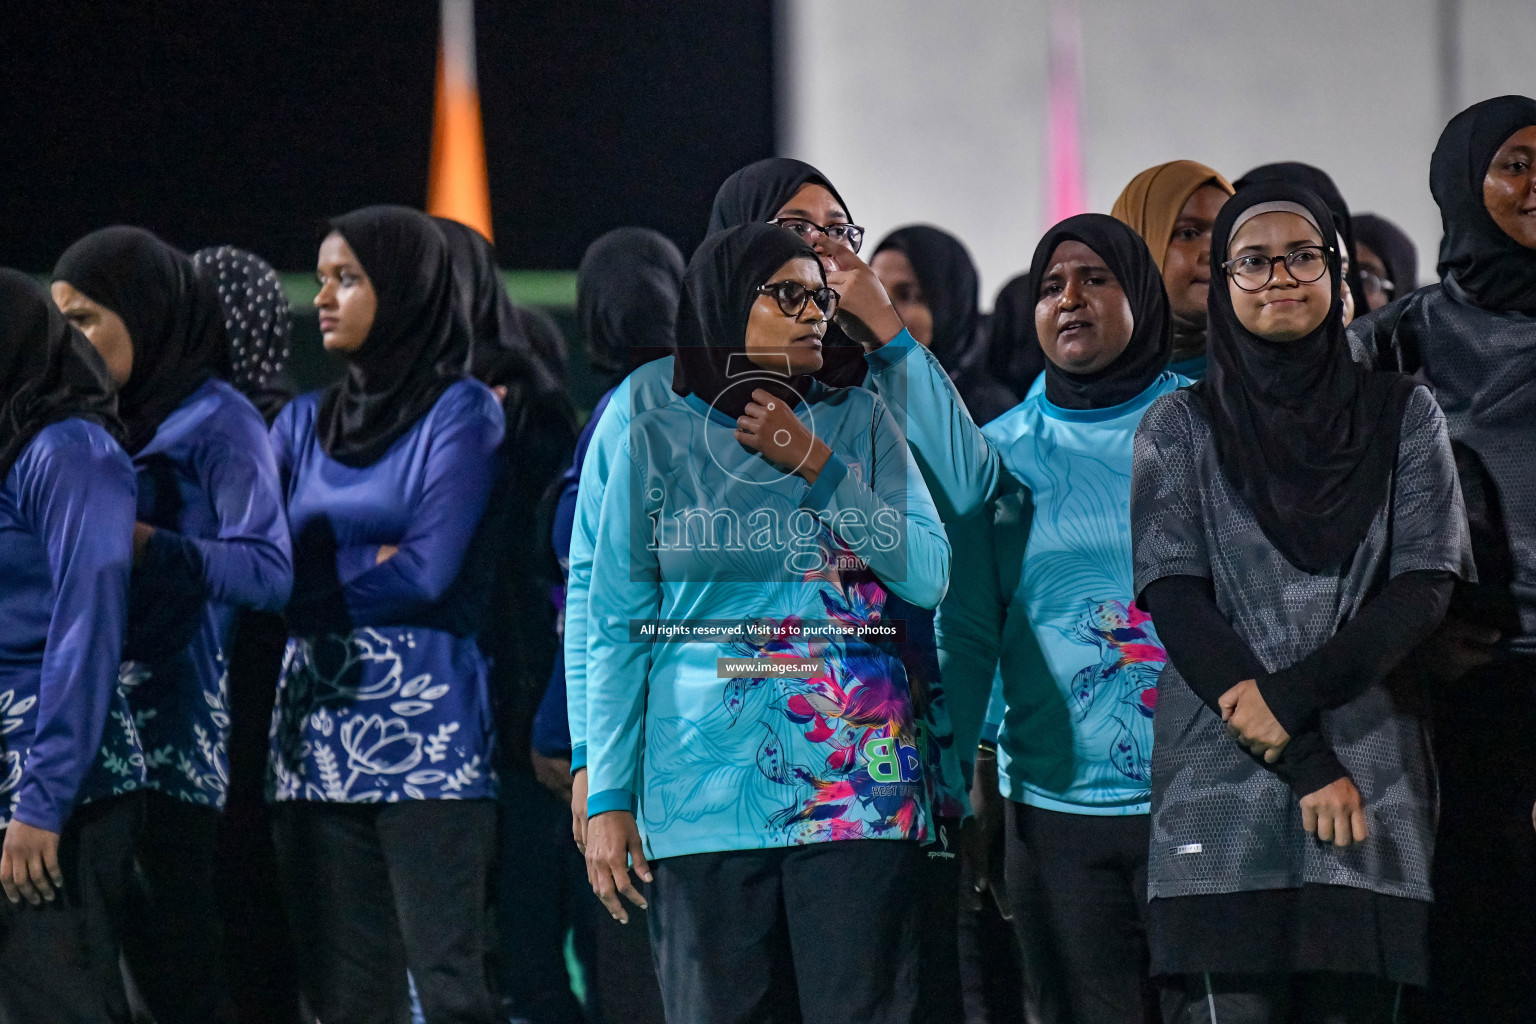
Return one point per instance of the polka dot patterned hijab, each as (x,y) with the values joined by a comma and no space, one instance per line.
(257,319)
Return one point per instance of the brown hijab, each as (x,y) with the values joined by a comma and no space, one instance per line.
(1150,205)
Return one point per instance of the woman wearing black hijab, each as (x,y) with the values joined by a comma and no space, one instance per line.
(1048,603)
(66,536)
(776,817)
(1389,262)
(934,286)
(627,289)
(383,736)
(796,195)
(1472,338)
(1318,182)
(211,540)
(1298,529)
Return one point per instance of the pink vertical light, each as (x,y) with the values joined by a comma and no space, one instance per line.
(1065,194)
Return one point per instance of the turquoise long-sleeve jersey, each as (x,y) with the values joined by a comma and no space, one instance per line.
(712,747)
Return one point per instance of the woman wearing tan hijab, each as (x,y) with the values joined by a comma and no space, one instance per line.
(1172,206)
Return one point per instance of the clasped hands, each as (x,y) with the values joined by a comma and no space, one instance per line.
(1335,813)
(1251,723)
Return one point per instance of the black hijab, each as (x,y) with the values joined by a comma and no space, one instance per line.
(419,345)
(1306,436)
(257,321)
(951,288)
(754,195)
(1396,250)
(758,191)
(719,288)
(48,370)
(1495,272)
(1317,181)
(1014,355)
(1146,355)
(172,313)
(627,290)
(502,348)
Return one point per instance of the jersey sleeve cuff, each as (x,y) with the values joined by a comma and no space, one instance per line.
(610,800)
(892,352)
(820,494)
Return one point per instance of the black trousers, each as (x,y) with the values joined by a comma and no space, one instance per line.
(59,961)
(825,933)
(372,890)
(172,939)
(1309,998)
(939,997)
(1078,883)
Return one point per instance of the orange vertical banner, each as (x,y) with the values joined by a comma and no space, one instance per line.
(458,187)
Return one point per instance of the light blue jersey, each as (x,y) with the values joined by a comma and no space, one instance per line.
(649,386)
(1079,662)
(714,753)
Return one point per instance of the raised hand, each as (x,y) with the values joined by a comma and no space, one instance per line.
(864,310)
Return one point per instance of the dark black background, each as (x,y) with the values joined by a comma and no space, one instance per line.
(248,121)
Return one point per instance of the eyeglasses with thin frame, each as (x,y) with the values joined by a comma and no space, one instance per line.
(1374,282)
(792,297)
(850,235)
(1305,264)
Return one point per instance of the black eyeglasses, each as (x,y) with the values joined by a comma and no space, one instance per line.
(850,235)
(1305,264)
(792,297)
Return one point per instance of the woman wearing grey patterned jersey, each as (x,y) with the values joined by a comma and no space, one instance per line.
(1297,528)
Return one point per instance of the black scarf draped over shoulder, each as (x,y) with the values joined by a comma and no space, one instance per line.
(419,345)
(172,313)
(719,288)
(1307,436)
(1146,354)
(48,370)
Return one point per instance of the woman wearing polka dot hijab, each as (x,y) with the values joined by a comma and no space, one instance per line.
(257,320)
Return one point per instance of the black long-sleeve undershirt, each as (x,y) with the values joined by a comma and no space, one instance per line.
(1212,659)
(1362,652)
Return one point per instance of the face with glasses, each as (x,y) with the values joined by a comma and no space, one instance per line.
(815,215)
(789,317)
(1373,275)
(1277,275)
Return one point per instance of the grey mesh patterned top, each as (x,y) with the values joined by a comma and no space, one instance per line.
(1220,821)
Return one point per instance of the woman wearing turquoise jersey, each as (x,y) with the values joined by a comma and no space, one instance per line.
(1049,600)
(782,810)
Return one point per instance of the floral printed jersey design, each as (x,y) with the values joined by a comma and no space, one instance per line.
(1078,660)
(383,695)
(208,484)
(66,528)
